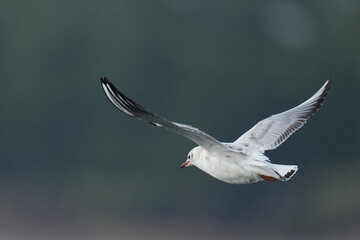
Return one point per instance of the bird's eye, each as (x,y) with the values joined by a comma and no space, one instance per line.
(188,157)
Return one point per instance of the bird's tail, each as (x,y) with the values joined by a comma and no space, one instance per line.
(285,172)
(272,172)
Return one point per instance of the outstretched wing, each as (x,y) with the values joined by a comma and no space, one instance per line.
(271,132)
(133,109)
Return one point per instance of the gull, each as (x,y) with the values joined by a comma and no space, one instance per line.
(239,162)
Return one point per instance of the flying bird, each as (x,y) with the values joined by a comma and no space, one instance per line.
(239,162)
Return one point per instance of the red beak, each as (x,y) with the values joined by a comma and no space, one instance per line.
(185,164)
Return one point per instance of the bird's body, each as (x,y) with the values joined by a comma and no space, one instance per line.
(242,161)
(229,167)
(239,167)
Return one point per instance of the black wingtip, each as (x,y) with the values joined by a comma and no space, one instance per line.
(330,79)
(121,101)
(324,92)
(104,80)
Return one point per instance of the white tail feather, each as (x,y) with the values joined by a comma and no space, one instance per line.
(285,172)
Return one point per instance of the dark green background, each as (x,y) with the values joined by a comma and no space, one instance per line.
(73,166)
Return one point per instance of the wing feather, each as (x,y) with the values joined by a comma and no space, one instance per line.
(133,109)
(269,133)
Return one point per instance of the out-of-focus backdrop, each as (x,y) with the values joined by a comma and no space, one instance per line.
(74,167)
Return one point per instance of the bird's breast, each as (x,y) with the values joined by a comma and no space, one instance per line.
(230,168)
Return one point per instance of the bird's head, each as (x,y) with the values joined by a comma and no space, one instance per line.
(192,157)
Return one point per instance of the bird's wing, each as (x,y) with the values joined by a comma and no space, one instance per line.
(133,109)
(272,131)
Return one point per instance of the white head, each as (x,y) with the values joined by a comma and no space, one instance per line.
(193,157)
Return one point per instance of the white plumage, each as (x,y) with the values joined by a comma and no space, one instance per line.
(242,161)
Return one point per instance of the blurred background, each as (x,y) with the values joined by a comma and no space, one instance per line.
(73,167)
